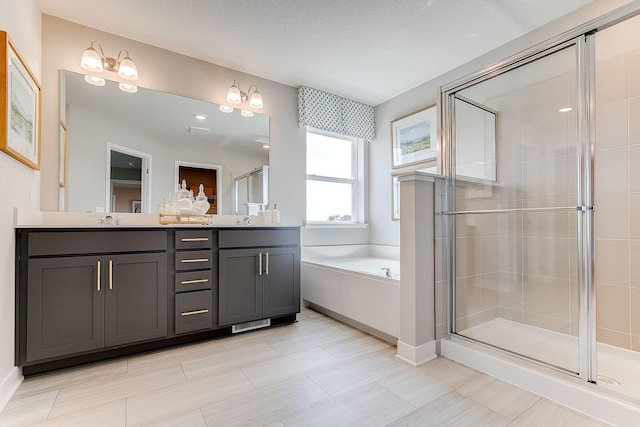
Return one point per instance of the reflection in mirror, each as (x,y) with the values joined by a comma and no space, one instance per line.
(475,133)
(164,128)
(252,190)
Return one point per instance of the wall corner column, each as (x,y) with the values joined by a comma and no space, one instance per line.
(416,337)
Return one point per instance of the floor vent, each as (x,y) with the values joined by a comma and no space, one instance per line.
(607,380)
(247,326)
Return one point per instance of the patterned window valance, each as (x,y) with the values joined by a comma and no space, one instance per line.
(333,113)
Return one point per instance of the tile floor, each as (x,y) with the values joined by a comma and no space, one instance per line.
(317,372)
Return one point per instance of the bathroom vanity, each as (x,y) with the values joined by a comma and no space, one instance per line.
(86,294)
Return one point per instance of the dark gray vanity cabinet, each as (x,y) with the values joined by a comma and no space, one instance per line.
(71,303)
(259,274)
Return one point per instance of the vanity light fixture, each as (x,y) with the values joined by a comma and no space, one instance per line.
(226,109)
(246,113)
(95,61)
(237,96)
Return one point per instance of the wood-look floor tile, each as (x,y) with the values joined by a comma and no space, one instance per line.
(545,413)
(92,393)
(267,405)
(226,360)
(452,409)
(421,385)
(291,343)
(355,346)
(56,379)
(502,397)
(272,371)
(111,414)
(168,401)
(368,406)
(356,372)
(192,418)
(26,410)
(173,355)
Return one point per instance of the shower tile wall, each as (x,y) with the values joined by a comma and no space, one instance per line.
(617,199)
(519,266)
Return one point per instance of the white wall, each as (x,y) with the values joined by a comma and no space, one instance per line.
(383,230)
(20,187)
(87,139)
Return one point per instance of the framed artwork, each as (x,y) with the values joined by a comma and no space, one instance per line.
(63,155)
(414,137)
(20,106)
(136,206)
(395,198)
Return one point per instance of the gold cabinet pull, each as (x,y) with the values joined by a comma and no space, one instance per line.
(267,267)
(195,260)
(190,282)
(195,239)
(110,274)
(98,277)
(191,313)
(260,264)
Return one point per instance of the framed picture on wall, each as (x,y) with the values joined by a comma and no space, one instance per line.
(414,137)
(63,155)
(136,206)
(20,106)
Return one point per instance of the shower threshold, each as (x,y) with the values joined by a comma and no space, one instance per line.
(617,367)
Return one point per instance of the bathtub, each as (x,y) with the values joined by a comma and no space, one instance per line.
(350,283)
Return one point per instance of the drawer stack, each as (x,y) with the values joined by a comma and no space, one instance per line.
(196,280)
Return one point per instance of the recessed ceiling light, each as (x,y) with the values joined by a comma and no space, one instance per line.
(200,116)
(226,109)
(565,109)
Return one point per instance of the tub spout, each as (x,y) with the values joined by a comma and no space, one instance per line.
(387,271)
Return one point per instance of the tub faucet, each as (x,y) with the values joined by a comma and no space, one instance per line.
(387,271)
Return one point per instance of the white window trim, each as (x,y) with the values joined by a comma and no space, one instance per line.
(357,181)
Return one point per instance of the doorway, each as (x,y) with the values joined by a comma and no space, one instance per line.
(128,180)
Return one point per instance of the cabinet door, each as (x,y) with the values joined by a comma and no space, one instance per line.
(281,281)
(65,306)
(240,286)
(136,298)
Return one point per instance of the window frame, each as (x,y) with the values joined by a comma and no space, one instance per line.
(357,179)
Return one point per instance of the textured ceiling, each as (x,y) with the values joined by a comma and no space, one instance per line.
(368,50)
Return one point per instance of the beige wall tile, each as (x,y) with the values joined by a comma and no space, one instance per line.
(468,257)
(513,315)
(635,311)
(634,262)
(482,317)
(546,224)
(634,168)
(510,179)
(634,73)
(510,295)
(618,339)
(612,262)
(634,224)
(611,125)
(634,121)
(612,216)
(475,294)
(547,296)
(547,256)
(611,171)
(510,224)
(613,307)
(551,323)
(541,140)
(546,178)
(635,343)
(511,254)
(541,101)
(611,79)
(575,300)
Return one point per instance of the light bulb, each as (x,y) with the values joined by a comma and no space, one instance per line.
(93,80)
(233,96)
(256,100)
(91,60)
(127,69)
(246,113)
(126,87)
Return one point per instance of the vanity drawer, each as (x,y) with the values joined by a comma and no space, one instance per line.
(257,238)
(194,311)
(194,260)
(193,280)
(195,239)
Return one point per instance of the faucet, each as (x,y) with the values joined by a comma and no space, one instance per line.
(244,221)
(387,271)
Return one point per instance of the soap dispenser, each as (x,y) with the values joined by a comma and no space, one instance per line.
(201,204)
(260,216)
(267,215)
(275,214)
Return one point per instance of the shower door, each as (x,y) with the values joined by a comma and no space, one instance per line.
(514,157)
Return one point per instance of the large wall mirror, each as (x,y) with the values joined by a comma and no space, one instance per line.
(127,151)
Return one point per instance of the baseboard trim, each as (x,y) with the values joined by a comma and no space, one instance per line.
(419,355)
(9,385)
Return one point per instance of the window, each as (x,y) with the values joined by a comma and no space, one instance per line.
(334,182)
